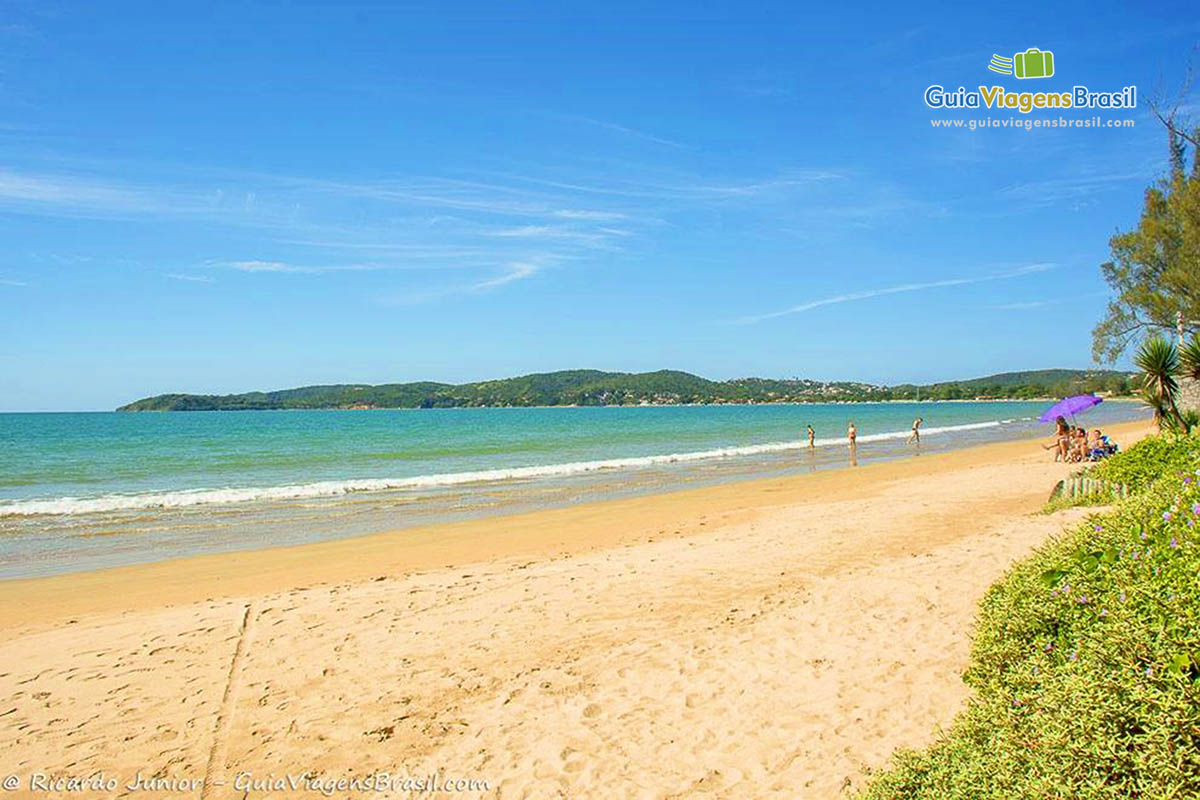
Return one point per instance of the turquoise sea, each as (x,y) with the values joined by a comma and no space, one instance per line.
(86,490)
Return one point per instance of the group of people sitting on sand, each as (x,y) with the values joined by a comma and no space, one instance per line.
(1073,443)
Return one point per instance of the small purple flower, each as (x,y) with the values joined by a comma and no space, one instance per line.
(1187,480)
(1122,597)
(1083,600)
(1166,516)
(1101,527)
(1143,535)
(1104,612)
(1149,672)
(1174,543)
(1074,656)
(1048,647)
(1133,554)
(1196,508)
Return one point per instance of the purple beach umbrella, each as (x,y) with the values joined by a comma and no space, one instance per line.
(1070,407)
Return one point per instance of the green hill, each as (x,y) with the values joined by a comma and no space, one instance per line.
(665,387)
(1035,383)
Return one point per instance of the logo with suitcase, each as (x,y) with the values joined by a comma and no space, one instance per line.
(1033,63)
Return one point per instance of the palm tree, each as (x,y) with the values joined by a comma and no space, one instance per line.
(1158,359)
(1189,369)
(1189,359)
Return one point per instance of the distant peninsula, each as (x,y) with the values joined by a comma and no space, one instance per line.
(665,387)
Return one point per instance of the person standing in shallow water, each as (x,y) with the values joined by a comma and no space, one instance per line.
(811,437)
(852,434)
(916,433)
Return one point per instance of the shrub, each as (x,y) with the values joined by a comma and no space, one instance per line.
(1148,460)
(1085,662)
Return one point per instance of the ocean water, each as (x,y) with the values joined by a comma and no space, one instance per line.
(86,490)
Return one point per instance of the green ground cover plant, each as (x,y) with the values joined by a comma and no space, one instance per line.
(1085,664)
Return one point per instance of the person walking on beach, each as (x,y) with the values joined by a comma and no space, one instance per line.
(916,433)
(811,437)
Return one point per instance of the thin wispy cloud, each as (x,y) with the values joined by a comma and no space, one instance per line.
(252,200)
(903,288)
(8,282)
(516,272)
(597,216)
(10,29)
(512,273)
(312,230)
(624,130)
(595,238)
(1054,190)
(285,204)
(287,268)
(764,84)
(1027,305)
(480,225)
(267,266)
(694,191)
(525,231)
(434,194)
(750,189)
(67,190)
(396,250)
(91,196)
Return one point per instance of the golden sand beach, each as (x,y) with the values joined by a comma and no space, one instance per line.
(772,638)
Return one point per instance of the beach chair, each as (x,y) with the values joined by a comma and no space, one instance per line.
(1106,449)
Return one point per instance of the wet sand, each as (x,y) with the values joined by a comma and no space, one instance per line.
(767,638)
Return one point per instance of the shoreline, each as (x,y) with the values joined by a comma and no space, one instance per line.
(773,638)
(551,531)
(482,477)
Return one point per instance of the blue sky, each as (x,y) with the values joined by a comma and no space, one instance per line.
(234,197)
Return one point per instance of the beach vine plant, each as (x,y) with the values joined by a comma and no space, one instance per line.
(1085,664)
(1139,466)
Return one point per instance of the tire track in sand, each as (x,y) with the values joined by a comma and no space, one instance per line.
(214,771)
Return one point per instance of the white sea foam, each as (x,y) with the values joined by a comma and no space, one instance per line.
(226,496)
